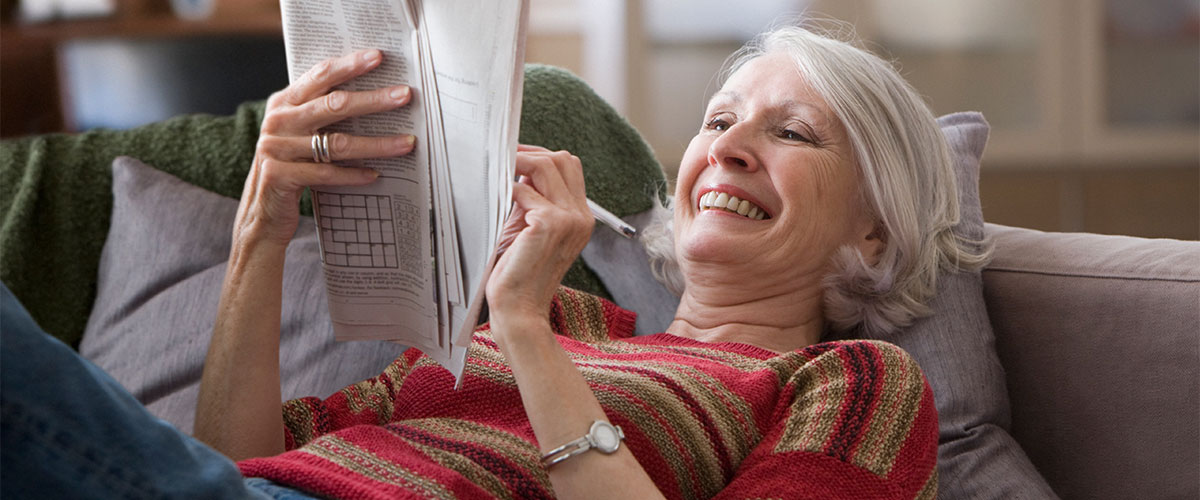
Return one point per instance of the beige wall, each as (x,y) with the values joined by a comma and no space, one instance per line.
(558,49)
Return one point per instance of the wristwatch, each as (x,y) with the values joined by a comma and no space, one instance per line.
(603,436)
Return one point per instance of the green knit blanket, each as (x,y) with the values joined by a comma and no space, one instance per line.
(56,190)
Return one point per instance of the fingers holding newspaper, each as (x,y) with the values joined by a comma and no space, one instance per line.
(239,411)
(285,159)
(549,226)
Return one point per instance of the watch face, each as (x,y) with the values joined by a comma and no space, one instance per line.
(606,437)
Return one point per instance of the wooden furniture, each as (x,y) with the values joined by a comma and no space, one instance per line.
(30,84)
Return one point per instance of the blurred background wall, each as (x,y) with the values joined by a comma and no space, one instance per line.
(1094,104)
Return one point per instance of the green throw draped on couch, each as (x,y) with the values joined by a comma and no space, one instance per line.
(56,190)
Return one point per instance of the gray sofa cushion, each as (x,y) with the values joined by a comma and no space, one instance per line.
(1101,339)
(160,277)
(977,458)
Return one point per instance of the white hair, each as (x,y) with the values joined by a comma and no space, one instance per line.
(908,183)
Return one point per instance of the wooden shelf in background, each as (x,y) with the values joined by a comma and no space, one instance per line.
(149,26)
(29,83)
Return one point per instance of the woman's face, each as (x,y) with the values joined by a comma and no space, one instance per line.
(770,142)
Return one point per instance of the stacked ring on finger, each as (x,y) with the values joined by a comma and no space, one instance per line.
(320,148)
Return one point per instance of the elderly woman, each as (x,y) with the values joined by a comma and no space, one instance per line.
(817,197)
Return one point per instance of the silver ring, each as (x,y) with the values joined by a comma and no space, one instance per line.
(320,148)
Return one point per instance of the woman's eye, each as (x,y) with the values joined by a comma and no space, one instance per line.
(717,124)
(792,135)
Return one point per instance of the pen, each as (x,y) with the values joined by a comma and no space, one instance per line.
(612,221)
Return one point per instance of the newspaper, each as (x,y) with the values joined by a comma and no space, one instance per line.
(406,258)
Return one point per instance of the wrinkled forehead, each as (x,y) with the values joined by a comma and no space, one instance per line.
(774,80)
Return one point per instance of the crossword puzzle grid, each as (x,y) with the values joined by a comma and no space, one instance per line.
(357,230)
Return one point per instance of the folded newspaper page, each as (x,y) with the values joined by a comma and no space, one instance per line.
(406,258)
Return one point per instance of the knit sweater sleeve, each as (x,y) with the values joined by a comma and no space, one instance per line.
(574,314)
(370,402)
(860,422)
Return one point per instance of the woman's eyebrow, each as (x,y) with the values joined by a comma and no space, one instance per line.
(804,109)
(792,108)
(725,95)
(794,105)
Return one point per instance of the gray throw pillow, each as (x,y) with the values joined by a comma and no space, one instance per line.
(977,457)
(159,281)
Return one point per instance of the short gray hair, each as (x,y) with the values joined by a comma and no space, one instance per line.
(908,182)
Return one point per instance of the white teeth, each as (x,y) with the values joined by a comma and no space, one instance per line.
(716,199)
(734,203)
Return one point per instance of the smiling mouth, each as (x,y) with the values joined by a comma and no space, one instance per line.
(716,200)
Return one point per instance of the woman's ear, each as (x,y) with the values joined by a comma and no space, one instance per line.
(871,245)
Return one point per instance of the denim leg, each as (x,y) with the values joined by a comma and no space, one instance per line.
(68,430)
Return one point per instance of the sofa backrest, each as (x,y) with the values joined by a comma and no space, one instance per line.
(1100,340)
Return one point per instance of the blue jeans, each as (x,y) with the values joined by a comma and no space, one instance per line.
(68,430)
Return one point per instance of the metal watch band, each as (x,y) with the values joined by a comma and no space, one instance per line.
(594,440)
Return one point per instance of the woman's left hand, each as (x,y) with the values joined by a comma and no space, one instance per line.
(549,226)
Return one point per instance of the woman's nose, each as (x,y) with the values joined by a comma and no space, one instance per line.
(732,150)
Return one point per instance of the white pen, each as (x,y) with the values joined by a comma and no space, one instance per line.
(612,221)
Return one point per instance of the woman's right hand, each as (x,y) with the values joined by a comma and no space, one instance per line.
(283,158)
(239,411)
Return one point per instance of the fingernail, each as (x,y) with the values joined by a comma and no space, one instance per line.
(410,140)
(399,92)
(371,56)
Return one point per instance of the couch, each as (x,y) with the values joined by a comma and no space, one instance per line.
(1070,366)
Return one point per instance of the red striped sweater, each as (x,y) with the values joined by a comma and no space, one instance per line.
(726,420)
